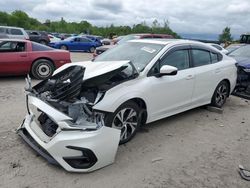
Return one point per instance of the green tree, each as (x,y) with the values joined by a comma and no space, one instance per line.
(226,35)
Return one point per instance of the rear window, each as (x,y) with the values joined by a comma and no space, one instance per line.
(16,32)
(40,47)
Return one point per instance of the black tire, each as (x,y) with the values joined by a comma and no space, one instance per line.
(92,49)
(220,94)
(43,42)
(63,47)
(112,119)
(42,69)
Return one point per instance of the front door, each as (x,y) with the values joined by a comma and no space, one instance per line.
(171,94)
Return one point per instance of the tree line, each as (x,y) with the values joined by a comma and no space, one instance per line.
(21,19)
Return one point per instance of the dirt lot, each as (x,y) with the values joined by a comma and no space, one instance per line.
(197,148)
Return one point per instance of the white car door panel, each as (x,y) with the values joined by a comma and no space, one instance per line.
(170,93)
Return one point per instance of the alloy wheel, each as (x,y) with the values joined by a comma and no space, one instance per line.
(127,121)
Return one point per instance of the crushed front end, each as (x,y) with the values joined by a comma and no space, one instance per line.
(62,126)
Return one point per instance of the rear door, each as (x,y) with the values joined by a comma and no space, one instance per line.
(208,74)
(13,58)
(85,44)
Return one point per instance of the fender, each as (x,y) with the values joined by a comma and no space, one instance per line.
(114,97)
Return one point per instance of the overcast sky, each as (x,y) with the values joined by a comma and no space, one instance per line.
(185,16)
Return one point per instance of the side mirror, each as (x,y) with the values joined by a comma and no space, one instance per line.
(167,70)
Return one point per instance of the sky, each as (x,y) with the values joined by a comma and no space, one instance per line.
(184,16)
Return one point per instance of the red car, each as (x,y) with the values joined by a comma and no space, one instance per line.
(20,57)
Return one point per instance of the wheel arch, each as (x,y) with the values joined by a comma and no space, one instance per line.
(112,107)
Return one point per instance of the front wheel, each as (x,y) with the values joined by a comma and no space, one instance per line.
(220,94)
(64,47)
(126,119)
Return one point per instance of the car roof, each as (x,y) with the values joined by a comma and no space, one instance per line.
(9,27)
(15,40)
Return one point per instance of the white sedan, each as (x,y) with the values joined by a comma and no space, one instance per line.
(78,117)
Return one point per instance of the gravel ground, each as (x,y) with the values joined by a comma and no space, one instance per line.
(197,148)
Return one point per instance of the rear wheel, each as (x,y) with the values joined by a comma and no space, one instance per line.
(42,69)
(92,49)
(126,119)
(220,94)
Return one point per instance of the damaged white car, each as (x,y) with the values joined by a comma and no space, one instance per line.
(78,117)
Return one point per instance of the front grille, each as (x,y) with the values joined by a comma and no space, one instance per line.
(64,85)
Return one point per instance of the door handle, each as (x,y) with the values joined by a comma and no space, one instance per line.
(23,55)
(189,77)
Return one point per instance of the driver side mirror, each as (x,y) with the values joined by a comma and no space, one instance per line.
(167,70)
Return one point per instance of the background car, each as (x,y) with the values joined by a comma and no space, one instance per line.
(126,38)
(218,47)
(53,38)
(76,44)
(20,57)
(39,36)
(242,56)
(13,33)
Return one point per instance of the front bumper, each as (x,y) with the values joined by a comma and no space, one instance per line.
(74,150)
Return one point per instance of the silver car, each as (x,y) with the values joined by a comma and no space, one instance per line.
(13,32)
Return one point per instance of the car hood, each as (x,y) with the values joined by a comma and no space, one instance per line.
(93,69)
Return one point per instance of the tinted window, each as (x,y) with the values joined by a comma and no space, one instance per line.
(84,40)
(200,57)
(214,57)
(178,59)
(243,51)
(16,32)
(40,47)
(9,46)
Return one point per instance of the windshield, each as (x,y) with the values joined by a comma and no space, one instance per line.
(140,54)
(243,51)
(232,48)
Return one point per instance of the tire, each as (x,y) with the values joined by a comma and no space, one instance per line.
(129,126)
(220,94)
(92,49)
(43,42)
(42,69)
(64,47)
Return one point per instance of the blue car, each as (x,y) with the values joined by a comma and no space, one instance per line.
(76,44)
